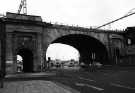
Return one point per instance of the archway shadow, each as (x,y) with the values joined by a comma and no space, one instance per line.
(86,45)
(27,57)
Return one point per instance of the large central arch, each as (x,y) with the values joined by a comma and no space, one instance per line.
(86,46)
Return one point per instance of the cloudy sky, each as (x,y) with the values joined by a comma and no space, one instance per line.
(84,13)
(62,51)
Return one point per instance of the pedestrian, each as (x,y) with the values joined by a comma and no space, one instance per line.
(19,66)
(48,62)
(94,66)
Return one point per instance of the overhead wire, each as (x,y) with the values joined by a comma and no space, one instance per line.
(131,12)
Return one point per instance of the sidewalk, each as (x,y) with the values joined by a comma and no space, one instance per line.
(26,75)
(35,86)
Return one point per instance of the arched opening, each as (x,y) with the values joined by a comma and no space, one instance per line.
(62,55)
(27,59)
(90,49)
(19,63)
(62,52)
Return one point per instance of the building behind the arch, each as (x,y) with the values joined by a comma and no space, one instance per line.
(31,35)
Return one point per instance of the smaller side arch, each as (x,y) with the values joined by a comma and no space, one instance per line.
(27,56)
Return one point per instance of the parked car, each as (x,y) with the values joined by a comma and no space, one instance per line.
(97,64)
(57,64)
(71,64)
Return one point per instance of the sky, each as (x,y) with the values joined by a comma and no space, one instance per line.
(85,13)
(62,52)
(19,58)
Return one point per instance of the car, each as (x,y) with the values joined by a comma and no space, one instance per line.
(71,64)
(97,64)
(57,64)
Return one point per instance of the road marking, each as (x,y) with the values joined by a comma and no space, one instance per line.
(122,86)
(91,86)
(87,79)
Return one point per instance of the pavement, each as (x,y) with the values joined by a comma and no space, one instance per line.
(20,83)
(32,75)
(35,86)
(107,80)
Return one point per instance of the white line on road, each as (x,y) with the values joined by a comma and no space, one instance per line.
(97,88)
(91,86)
(87,79)
(122,86)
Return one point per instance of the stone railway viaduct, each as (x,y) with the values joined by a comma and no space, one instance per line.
(30,37)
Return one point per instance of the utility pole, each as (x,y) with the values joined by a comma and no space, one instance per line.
(23,5)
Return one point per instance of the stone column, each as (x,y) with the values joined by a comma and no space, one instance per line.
(9,54)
